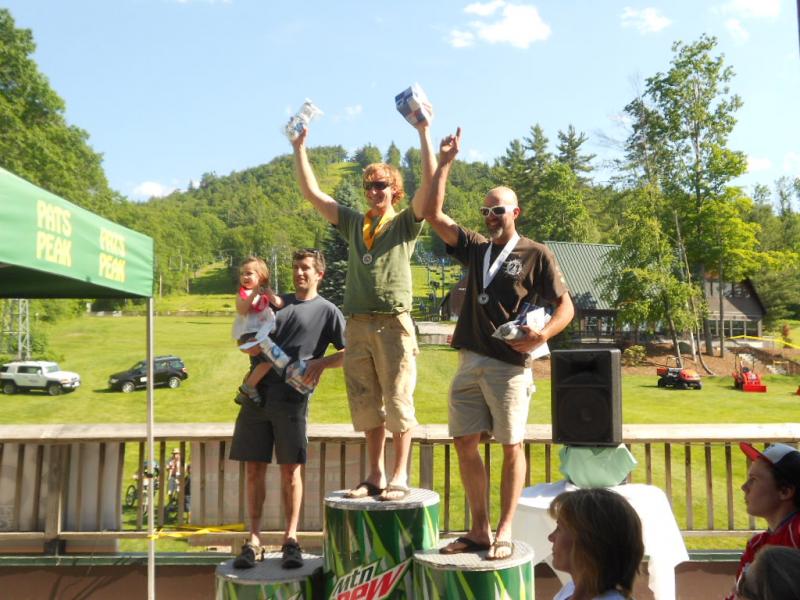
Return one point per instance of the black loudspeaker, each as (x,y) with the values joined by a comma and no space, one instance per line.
(586,397)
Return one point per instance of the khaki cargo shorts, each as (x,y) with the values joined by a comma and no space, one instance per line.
(380,370)
(489,395)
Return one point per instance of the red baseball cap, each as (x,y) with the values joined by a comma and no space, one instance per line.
(784,458)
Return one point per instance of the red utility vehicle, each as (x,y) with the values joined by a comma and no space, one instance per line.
(746,379)
(674,376)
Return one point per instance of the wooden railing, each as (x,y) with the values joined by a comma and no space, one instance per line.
(65,484)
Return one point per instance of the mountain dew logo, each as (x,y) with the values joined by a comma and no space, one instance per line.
(367,583)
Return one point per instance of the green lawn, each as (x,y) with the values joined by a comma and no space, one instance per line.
(95,347)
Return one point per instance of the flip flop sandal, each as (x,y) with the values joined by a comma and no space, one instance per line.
(506,544)
(363,489)
(400,492)
(466,546)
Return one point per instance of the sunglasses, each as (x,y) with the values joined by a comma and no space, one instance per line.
(376,185)
(497,211)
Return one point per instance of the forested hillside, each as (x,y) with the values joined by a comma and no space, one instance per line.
(671,203)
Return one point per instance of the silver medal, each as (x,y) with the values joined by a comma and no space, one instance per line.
(483,298)
(367,259)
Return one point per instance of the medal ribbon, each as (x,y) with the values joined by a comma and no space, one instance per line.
(490,271)
(370,233)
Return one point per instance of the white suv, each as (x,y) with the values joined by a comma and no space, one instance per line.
(37,374)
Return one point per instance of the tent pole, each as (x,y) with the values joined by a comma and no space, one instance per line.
(151,543)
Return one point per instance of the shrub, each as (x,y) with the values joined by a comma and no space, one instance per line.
(633,356)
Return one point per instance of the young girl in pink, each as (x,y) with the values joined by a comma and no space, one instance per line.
(253,313)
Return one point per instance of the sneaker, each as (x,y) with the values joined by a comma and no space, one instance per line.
(292,555)
(247,394)
(246,558)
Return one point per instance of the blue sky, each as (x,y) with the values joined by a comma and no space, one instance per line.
(171,89)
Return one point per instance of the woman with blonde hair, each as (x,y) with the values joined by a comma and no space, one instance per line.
(598,541)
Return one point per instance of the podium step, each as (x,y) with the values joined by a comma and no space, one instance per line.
(470,575)
(268,580)
(369,544)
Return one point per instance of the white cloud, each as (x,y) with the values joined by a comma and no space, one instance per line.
(517,24)
(758,163)
(791,163)
(645,20)
(484,9)
(737,30)
(461,39)
(150,189)
(748,9)
(351,112)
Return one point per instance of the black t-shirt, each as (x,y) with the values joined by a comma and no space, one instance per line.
(304,329)
(529,273)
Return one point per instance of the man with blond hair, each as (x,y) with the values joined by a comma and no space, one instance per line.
(380,364)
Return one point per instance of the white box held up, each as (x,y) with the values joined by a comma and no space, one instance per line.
(414,105)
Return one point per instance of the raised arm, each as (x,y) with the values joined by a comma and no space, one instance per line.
(444,226)
(428,166)
(325,205)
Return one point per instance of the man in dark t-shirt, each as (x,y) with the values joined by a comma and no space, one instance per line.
(490,393)
(304,328)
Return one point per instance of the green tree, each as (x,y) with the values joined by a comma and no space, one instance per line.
(557,212)
(679,143)
(366,155)
(539,156)
(412,171)
(642,276)
(36,142)
(512,169)
(334,248)
(393,156)
(569,153)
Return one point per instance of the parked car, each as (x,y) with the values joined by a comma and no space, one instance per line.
(168,370)
(37,375)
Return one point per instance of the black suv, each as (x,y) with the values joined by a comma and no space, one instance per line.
(169,371)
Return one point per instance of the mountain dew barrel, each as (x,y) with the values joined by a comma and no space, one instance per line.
(470,575)
(268,581)
(369,545)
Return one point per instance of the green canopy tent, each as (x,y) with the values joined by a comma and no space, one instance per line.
(51,248)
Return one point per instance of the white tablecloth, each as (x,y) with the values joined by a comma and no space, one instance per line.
(662,537)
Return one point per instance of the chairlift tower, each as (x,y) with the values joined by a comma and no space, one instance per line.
(16,333)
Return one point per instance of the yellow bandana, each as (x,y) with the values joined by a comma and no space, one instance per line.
(370,233)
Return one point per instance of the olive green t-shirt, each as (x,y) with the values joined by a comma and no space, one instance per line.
(384,284)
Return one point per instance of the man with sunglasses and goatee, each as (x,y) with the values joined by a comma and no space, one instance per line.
(380,363)
(491,391)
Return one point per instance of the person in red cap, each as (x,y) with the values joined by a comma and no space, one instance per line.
(772,492)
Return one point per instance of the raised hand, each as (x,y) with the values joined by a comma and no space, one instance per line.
(448,149)
(300,140)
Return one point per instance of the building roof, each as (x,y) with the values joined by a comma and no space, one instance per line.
(581,265)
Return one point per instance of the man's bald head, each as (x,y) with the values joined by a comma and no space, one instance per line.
(501,195)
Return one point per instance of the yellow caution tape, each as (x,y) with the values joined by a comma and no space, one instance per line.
(761,339)
(195,530)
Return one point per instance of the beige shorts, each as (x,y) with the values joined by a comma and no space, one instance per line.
(380,369)
(489,395)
